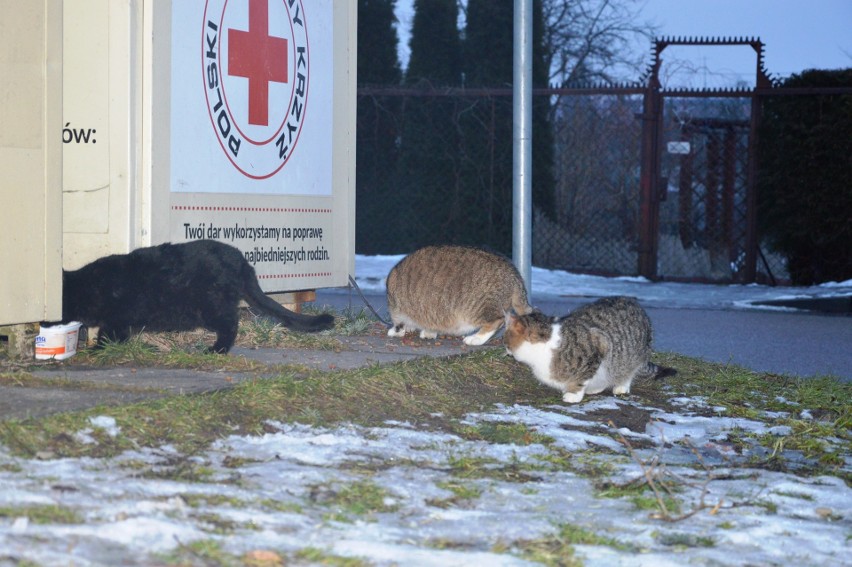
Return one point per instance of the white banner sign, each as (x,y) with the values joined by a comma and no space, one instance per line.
(251,97)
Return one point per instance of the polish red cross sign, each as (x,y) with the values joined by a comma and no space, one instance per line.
(260,58)
(256,69)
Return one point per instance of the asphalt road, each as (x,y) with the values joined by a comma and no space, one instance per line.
(795,343)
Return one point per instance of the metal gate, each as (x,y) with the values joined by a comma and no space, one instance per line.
(646,181)
(698,201)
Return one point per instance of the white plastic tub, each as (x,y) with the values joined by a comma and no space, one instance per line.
(57,342)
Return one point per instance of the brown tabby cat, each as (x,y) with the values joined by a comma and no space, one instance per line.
(453,290)
(605,344)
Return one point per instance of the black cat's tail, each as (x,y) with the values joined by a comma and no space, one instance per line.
(664,371)
(656,372)
(255,297)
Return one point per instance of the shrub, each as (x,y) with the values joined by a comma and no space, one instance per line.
(805,177)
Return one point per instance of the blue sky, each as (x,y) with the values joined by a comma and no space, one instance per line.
(798,35)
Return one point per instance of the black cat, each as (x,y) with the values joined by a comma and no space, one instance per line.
(173,287)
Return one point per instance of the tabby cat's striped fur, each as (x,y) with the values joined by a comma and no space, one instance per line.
(602,345)
(453,290)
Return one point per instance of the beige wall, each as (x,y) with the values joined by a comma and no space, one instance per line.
(30,161)
(84,154)
(102,62)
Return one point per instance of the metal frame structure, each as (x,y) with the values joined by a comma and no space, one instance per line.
(653,186)
(651,180)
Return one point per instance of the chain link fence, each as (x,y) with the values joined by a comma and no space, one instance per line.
(436,167)
(704,213)
(594,228)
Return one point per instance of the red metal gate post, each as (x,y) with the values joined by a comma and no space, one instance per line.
(751,247)
(649,202)
(751,243)
(729,142)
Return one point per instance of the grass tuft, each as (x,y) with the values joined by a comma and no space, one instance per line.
(42,514)
(434,393)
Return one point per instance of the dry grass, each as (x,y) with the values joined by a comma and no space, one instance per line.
(426,392)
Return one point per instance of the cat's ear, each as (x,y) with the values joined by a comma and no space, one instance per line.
(539,313)
(508,317)
(512,320)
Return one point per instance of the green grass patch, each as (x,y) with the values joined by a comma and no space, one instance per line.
(642,496)
(817,410)
(197,500)
(279,506)
(432,393)
(315,556)
(10,467)
(791,494)
(147,350)
(42,514)
(474,467)
(219,525)
(360,499)
(684,540)
(557,549)
(188,349)
(463,493)
(183,470)
(210,553)
(504,433)
(199,552)
(746,394)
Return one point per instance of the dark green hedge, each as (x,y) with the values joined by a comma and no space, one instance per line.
(805,178)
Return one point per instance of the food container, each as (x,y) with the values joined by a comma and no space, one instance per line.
(57,342)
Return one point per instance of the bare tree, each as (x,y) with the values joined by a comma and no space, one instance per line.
(596,40)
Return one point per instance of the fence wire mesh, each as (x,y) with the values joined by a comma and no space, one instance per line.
(436,167)
(594,228)
(704,215)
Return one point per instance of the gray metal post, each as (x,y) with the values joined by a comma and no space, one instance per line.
(522,142)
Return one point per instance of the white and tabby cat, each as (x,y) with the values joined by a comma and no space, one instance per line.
(602,345)
(453,290)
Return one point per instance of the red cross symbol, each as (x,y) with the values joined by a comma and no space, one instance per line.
(259,57)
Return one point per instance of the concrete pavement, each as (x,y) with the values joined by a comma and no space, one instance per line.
(796,343)
(784,342)
(75,387)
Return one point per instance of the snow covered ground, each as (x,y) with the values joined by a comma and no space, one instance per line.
(400,495)
(288,490)
(371,271)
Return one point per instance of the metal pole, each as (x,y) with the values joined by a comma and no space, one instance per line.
(522,142)
(650,175)
(752,246)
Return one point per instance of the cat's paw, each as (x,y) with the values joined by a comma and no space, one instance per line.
(396,331)
(476,340)
(424,334)
(573,397)
(621,390)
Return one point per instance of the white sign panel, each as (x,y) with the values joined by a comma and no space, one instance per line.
(289,247)
(678,148)
(256,90)
(251,97)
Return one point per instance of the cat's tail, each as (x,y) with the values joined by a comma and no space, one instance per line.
(255,297)
(655,371)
